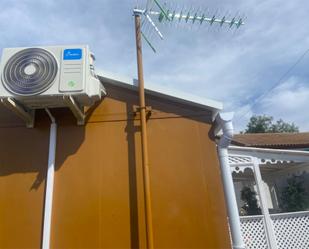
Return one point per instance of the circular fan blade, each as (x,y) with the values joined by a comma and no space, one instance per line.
(30,72)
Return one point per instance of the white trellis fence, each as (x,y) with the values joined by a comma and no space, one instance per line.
(291,231)
(270,231)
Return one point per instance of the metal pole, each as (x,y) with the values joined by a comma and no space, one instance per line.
(49,183)
(146,175)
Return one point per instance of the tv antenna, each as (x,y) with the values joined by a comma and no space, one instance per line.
(153,13)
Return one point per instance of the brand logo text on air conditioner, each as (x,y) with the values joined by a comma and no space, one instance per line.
(72,54)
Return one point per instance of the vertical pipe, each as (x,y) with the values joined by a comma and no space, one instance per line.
(145,161)
(49,184)
(224,121)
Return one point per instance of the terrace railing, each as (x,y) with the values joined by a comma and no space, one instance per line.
(291,230)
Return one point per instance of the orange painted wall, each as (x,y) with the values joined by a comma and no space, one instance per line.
(98,192)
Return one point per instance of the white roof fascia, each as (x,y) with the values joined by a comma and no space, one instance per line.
(160,91)
(286,155)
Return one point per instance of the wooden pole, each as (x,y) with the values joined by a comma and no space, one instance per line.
(146,175)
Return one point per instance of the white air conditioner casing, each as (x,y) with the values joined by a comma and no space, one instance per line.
(40,77)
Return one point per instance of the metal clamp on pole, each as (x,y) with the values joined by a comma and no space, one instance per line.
(77,111)
(148,110)
(21,111)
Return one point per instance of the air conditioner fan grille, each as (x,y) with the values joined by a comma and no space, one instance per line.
(30,72)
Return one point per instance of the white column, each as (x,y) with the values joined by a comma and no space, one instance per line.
(270,233)
(230,198)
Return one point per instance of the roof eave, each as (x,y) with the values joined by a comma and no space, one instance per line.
(163,92)
(276,154)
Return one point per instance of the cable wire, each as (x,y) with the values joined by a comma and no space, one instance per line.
(279,82)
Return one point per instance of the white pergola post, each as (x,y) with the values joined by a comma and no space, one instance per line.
(263,201)
(230,198)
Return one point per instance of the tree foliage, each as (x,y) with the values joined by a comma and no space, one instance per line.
(294,197)
(250,207)
(266,124)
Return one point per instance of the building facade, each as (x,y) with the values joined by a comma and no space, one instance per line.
(98,199)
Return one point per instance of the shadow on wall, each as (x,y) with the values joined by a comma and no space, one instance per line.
(25,150)
(131,129)
(161,109)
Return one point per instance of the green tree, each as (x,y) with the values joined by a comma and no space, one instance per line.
(294,197)
(250,207)
(280,127)
(265,124)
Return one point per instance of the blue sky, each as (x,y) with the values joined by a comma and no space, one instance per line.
(232,67)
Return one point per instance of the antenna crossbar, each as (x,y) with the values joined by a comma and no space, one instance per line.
(194,18)
(154,26)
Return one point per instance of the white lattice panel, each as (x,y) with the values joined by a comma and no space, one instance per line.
(253,231)
(238,159)
(292,230)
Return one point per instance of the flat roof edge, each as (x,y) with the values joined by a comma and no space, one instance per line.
(270,151)
(160,91)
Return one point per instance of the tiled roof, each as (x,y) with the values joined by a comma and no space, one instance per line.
(273,140)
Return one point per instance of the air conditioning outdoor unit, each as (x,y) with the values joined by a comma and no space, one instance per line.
(48,77)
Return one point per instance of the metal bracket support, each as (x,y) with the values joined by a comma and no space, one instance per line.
(76,109)
(21,111)
(148,110)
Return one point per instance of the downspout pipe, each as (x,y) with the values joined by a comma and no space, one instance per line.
(49,189)
(224,124)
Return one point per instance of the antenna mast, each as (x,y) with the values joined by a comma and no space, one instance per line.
(162,15)
(142,110)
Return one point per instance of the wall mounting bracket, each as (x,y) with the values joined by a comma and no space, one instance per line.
(77,110)
(20,110)
(28,115)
